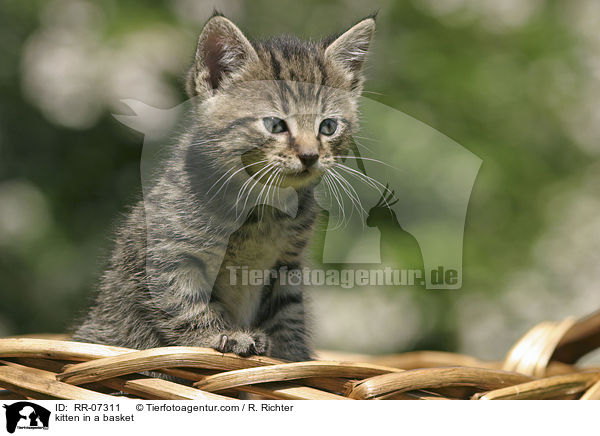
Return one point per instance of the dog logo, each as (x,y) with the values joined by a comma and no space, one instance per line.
(26,415)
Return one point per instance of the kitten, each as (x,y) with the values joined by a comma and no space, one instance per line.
(168,281)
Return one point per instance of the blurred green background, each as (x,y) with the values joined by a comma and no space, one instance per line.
(516,82)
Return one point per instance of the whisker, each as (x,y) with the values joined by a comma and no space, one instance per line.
(366,137)
(373,92)
(247,182)
(219,179)
(339,198)
(366,158)
(352,194)
(230,177)
(340,221)
(256,176)
(281,177)
(277,184)
(267,185)
(276,188)
(363,146)
(272,192)
(365,179)
(327,191)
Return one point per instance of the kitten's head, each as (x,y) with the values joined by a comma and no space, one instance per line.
(292,103)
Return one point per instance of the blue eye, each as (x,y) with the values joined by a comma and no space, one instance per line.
(275,125)
(328,127)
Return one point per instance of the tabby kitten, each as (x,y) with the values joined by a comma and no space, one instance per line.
(280,109)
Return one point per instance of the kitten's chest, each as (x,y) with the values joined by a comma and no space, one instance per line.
(251,251)
(259,244)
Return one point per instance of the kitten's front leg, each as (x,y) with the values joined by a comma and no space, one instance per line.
(192,318)
(244,343)
(284,322)
(205,325)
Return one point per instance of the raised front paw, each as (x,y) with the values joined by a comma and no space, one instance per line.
(244,343)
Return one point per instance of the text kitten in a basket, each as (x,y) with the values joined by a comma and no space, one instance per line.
(156,290)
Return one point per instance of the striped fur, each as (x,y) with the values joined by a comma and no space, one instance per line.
(155,290)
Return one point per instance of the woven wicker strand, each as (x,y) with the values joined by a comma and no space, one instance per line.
(541,365)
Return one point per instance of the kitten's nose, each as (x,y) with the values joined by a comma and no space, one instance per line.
(308,159)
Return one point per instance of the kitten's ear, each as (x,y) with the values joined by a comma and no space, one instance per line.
(222,50)
(350,49)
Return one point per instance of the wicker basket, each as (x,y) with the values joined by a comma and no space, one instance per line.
(541,365)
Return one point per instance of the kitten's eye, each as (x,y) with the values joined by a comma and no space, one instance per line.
(328,127)
(275,125)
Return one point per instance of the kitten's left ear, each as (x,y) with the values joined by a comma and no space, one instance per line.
(350,49)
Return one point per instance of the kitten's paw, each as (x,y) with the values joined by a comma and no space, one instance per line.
(244,343)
